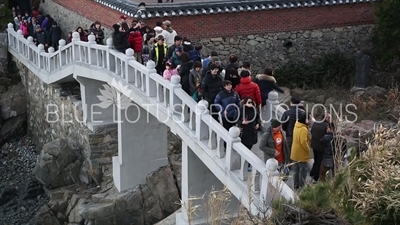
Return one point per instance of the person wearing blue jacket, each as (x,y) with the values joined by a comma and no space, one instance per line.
(227,103)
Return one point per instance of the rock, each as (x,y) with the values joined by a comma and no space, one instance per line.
(363,65)
(330,101)
(33,189)
(13,102)
(93,211)
(7,194)
(14,127)
(45,217)
(57,165)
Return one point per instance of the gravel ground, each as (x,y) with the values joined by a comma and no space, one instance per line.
(21,196)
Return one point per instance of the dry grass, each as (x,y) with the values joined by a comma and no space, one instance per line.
(378,107)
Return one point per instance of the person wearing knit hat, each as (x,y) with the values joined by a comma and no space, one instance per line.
(273,145)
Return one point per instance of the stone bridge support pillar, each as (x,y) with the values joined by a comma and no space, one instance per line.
(197,183)
(97,102)
(142,145)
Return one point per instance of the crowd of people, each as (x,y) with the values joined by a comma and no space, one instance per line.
(235,98)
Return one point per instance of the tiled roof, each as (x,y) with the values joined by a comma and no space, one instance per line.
(226,6)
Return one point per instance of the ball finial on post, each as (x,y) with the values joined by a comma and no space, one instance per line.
(109,42)
(76,37)
(30,40)
(151,65)
(61,42)
(51,50)
(41,47)
(129,52)
(176,79)
(234,132)
(91,39)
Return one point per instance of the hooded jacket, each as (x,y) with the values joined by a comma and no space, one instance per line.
(169,36)
(266,83)
(268,147)
(300,146)
(249,88)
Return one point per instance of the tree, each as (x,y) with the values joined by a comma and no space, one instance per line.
(387,32)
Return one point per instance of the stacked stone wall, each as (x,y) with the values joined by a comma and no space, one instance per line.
(51,116)
(260,48)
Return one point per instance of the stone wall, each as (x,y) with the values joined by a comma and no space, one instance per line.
(307,46)
(260,50)
(67,19)
(45,124)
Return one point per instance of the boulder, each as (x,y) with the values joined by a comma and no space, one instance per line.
(45,217)
(13,127)
(58,165)
(13,102)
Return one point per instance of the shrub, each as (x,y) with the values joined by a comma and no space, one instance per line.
(331,70)
(386,38)
(366,192)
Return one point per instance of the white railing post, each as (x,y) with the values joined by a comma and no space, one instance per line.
(151,85)
(270,108)
(233,159)
(20,37)
(110,62)
(76,56)
(10,29)
(271,170)
(201,129)
(174,103)
(50,60)
(63,55)
(127,72)
(41,62)
(92,52)
(30,44)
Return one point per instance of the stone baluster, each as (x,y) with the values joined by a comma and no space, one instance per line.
(63,54)
(201,128)
(270,109)
(50,60)
(30,53)
(76,56)
(174,102)
(92,53)
(151,85)
(10,30)
(271,170)
(233,159)
(110,61)
(128,73)
(20,37)
(40,57)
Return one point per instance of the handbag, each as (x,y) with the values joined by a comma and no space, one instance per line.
(327,163)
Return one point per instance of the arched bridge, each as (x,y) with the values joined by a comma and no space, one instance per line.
(142,129)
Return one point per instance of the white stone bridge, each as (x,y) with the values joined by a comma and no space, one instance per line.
(147,104)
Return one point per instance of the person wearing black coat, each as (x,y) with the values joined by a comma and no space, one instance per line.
(211,85)
(120,41)
(184,71)
(249,122)
(332,144)
(318,130)
(289,118)
(54,35)
(267,83)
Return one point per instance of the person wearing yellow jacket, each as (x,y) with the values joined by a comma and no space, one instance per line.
(300,153)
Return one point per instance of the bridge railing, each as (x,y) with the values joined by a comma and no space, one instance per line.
(191,116)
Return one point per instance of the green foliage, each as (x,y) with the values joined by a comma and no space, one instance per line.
(387,33)
(5,14)
(331,70)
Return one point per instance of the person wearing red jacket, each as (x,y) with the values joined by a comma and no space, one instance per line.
(135,40)
(247,87)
